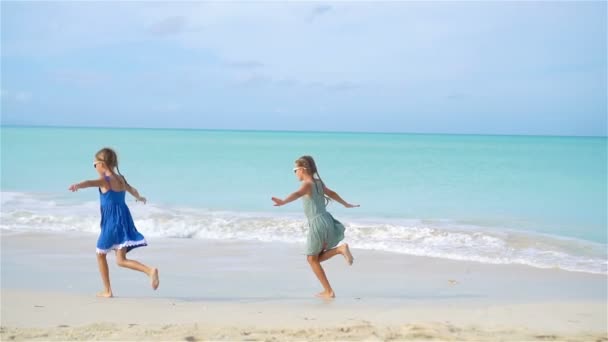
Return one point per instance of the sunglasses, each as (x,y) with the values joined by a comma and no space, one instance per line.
(295,169)
(95,164)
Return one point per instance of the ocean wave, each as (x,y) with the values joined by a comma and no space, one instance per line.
(441,239)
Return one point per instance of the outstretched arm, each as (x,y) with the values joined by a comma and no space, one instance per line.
(304,189)
(87,184)
(334,195)
(134,192)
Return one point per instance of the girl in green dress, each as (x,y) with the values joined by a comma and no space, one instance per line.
(324,232)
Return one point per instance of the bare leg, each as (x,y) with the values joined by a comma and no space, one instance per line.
(122,261)
(329,254)
(343,249)
(315,264)
(105,276)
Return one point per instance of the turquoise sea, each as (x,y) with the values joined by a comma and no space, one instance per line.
(533,200)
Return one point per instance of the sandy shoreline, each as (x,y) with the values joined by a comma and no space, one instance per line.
(44,316)
(231,291)
(36,315)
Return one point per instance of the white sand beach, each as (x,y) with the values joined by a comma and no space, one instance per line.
(212,290)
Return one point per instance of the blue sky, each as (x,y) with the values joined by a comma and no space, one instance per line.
(428,67)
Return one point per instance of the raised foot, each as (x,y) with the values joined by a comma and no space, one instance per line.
(347,255)
(154,279)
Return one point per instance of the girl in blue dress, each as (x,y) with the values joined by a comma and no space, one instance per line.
(118,231)
(324,232)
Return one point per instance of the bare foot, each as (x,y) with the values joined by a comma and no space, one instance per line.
(326,295)
(154,278)
(346,252)
(105,294)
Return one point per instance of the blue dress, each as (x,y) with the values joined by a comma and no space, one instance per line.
(117,227)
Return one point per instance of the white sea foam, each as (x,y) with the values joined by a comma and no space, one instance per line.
(31,212)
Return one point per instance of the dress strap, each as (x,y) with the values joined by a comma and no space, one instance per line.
(107,178)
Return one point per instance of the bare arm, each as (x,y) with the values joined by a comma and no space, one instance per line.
(304,190)
(88,184)
(334,195)
(134,192)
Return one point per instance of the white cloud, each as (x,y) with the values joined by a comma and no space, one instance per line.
(403,55)
(363,42)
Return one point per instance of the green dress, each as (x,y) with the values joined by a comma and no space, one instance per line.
(324,232)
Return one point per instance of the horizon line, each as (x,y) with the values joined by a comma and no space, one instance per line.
(298,131)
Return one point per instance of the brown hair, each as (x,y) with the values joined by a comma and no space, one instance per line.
(110,158)
(308,163)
